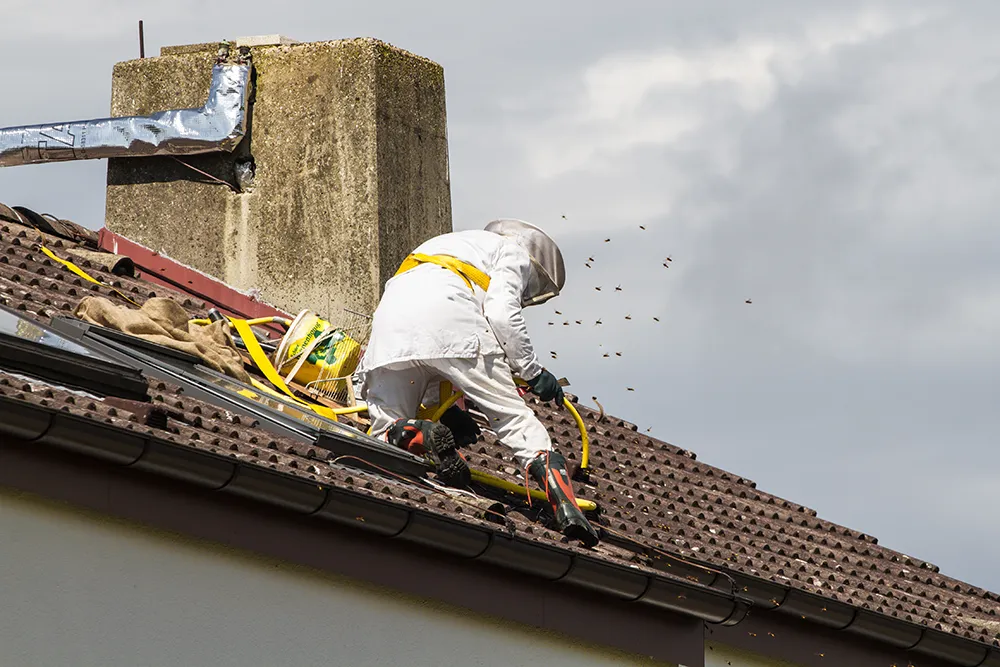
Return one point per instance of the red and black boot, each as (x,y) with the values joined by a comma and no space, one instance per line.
(435,441)
(548,469)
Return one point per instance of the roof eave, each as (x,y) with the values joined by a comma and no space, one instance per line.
(145,451)
(895,632)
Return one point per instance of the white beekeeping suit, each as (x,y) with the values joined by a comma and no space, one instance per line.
(434,323)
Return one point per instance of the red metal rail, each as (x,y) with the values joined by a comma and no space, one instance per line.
(161,270)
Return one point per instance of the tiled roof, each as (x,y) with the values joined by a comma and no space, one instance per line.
(657,501)
(35,284)
(664,496)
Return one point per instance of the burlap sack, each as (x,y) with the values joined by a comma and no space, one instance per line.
(162,321)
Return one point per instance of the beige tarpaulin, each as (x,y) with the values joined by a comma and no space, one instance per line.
(162,321)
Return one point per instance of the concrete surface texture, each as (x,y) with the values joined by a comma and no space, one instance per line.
(349,142)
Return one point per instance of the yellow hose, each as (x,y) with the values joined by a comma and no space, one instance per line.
(450,401)
(350,410)
(584,438)
(260,320)
(511,487)
(497,482)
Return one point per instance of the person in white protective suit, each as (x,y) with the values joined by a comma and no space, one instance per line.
(453,312)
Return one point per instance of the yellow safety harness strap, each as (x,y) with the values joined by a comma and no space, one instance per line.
(260,386)
(260,359)
(467,272)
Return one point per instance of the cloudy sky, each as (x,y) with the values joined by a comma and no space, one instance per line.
(836,163)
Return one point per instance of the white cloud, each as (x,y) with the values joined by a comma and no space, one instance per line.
(774,175)
(614,109)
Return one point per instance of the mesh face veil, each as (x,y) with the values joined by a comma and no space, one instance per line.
(548,273)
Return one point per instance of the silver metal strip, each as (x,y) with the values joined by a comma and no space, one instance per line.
(219,125)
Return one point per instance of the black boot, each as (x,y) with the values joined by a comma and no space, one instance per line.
(434,441)
(548,469)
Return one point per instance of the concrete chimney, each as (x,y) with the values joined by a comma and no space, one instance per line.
(348,151)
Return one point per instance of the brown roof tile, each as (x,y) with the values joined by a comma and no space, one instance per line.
(650,492)
(662,495)
(34,283)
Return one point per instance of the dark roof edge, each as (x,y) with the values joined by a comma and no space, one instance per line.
(144,451)
(896,632)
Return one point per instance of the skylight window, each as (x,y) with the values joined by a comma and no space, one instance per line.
(38,351)
(16,326)
(274,413)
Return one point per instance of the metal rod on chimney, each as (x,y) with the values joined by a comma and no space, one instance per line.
(142,42)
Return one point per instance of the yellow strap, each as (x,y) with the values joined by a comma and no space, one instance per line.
(242,328)
(260,386)
(467,272)
(80,272)
(70,265)
(264,364)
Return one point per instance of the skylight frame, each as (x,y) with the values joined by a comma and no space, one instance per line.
(65,362)
(203,383)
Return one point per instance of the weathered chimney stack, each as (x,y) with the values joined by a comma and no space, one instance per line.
(349,154)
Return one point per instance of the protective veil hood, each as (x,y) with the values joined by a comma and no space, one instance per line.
(548,273)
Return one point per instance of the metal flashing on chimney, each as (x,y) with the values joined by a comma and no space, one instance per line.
(218,125)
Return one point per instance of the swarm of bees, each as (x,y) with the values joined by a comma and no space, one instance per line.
(666,263)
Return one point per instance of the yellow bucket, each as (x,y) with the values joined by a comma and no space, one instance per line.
(330,352)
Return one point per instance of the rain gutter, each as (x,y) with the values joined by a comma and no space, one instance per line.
(768,596)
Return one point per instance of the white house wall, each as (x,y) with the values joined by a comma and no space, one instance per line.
(79,589)
(720,655)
